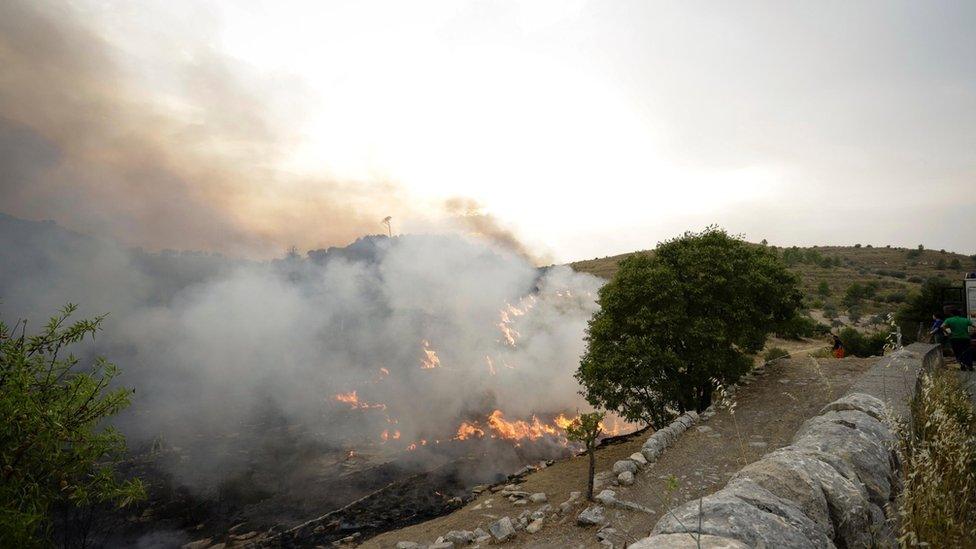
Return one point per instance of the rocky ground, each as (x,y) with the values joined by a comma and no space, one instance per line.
(767,413)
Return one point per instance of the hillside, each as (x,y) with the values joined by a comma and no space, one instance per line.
(883,277)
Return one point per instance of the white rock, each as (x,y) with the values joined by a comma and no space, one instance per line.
(626,478)
(407,545)
(441,545)
(591,516)
(459,537)
(606,497)
(638,458)
(624,465)
(534,526)
(538,497)
(520,502)
(502,529)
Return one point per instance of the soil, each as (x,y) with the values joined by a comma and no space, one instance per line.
(767,413)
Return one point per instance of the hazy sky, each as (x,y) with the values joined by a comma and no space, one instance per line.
(586,128)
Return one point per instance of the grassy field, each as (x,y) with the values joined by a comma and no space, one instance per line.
(827,272)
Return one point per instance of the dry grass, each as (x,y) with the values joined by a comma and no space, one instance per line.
(938,504)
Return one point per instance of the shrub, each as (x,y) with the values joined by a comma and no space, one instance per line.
(955,264)
(775,353)
(586,429)
(916,279)
(673,325)
(896,296)
(823,288)
(53,450)
(863,345)
(854,313)
(913,254)
(940,264)
(937,505)
(920,306)
(797,327)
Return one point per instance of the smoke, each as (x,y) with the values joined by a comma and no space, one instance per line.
(470,216)
(211,345)
(86,141)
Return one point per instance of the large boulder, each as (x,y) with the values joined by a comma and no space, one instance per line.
(726,516)
(789,480)
(624,465)
(502,530)
(763,499)
(859,401)
(850,511)
(686,541)
(851,449)
(591,516)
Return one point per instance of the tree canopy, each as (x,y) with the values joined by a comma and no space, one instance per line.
(675,323)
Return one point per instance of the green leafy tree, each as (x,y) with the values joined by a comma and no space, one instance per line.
(586,429)
(940,264)
(675,323)
(823,288)
(53,451)
(955,264)
(921,305)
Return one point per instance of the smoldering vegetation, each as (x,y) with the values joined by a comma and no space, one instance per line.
(323,376)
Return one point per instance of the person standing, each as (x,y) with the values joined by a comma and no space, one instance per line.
(936,330)
(838,347)
(959,339)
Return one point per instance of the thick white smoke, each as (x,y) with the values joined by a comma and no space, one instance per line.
(209,358)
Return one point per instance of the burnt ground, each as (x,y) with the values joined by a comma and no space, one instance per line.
(766,415)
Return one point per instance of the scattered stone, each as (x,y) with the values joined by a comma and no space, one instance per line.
(459,537)
(407,545)
(606,533)
(479,532)
(591,516)
(704,429)
(626,478)
(441,545)
(534,526)
(502,529)
(198,544)
(520,502)
(538,497)
(624,465)
(638,458)
(606,497)
(758,444)
(573,496)
(565,507)
(479,489)
(482,539)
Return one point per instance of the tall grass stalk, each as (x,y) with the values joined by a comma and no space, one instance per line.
(937,506)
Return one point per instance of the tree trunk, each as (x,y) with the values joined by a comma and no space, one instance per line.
(589,477)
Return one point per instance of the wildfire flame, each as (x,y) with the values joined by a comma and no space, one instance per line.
(430,359)
(352,399)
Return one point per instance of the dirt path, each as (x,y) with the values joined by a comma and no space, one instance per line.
(767,414)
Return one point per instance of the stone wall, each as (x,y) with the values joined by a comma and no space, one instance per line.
(827,489)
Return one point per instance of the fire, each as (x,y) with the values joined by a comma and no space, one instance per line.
(468,430)
(352,399)
(389,435)
(563,422)
(349,398)
(430,360)
(519,429)
(412,447)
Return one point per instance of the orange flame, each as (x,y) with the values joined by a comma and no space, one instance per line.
(430,360)
(519,429)
(352,399)
(468,430)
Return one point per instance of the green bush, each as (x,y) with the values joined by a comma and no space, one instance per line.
(863,345)
(54,451)
(775,353)
(920,306)
(798,327)
(674,324)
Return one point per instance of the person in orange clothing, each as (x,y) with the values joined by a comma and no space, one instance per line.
(838,347)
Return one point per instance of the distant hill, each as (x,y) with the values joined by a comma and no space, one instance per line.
(886,274)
